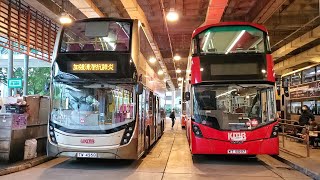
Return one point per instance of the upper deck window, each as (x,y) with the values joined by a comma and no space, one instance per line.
(296,78)
(308,75)
(96,36)
(232,39)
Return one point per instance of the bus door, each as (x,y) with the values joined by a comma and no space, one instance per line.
(155,119)
(141,121)
(151,117)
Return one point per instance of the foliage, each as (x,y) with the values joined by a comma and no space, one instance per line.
(38,77)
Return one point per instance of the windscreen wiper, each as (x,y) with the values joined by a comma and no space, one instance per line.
(66,76)
(74,81)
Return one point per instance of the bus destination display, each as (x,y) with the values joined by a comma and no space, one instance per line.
(233,69)
(97,67)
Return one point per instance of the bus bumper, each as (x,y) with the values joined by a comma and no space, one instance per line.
(256,147)
(128,151)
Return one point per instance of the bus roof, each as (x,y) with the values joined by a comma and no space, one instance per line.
(101,19)
(202,28)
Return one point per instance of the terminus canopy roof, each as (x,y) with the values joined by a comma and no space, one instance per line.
(202,28)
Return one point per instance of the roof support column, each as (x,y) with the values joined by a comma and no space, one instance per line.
(25,74)
(10,70)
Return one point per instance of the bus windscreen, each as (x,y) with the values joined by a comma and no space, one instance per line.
(232,39)
(94,36)
(234,106)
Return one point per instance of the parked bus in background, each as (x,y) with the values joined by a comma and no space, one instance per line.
(105,97)
(230,91)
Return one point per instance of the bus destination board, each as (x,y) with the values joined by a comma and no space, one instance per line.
(96,67)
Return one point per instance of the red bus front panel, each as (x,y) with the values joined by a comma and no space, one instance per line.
(256,141)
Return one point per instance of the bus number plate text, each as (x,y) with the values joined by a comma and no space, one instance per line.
(237,151)
(87,155)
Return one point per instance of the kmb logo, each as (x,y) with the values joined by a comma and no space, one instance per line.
(237,136)
(87,141)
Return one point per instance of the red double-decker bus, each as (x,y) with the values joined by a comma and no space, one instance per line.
(230,91)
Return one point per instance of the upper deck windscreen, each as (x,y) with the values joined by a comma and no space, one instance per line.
(232,39)
(96,36)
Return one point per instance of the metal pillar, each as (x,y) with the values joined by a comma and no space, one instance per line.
(25,74)
(10,70)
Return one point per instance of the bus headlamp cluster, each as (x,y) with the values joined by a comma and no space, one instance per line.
(196,130)
(52,136)
(127,133)
(275,131)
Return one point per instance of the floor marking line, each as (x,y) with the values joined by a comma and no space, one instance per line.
(269,167)
(174,137)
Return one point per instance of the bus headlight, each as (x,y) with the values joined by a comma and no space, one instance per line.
(275,131)
(196,130)
(127,133)
(52,136)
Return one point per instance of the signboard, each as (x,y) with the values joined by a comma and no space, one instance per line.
(307,90)
(97,67)
(234,69)
(15,83)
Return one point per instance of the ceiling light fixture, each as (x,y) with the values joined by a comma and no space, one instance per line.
(201,69)
(152,59)
(65,18)
(172,15)
(160,72)
(178,71)
(177,57)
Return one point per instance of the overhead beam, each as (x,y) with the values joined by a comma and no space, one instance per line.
(135,12)
(312,55)
(297,43)
(47,7)
(289,21)
(88,8)
(215,11)
(256,9)
(264,10)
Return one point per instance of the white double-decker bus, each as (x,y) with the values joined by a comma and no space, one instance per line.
(105,97)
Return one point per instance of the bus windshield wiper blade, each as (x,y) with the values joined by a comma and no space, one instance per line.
(74,81)
(66,76)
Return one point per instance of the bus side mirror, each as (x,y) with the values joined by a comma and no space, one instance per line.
(139,88)
(187,96)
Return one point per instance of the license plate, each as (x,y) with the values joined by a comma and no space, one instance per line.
(87,155)
(237,151)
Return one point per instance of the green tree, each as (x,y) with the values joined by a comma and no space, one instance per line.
(38,77)
(18,73)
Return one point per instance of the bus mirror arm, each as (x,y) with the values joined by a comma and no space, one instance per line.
(139,88)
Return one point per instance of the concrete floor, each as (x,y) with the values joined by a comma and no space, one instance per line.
(170,158)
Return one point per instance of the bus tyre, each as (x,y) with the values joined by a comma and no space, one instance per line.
(147,143)
(162,127)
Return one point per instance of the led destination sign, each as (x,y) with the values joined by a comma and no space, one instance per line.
(99,67)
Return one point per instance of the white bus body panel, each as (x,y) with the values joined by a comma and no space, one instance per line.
(94,142)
